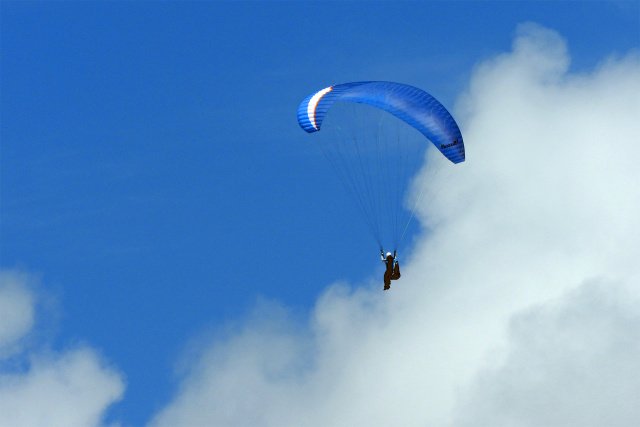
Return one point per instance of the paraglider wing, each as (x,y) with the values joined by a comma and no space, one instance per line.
(410,104)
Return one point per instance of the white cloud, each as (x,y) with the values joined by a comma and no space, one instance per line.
(16,311)
(570,362)
(43,387)
(546,201)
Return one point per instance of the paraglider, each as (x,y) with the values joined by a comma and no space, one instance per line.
(393,268)
(377,145)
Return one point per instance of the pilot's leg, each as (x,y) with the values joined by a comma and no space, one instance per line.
(387,281)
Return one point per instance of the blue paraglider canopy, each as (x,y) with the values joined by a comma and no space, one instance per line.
(410,104)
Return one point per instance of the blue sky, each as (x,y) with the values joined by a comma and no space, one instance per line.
(156,186)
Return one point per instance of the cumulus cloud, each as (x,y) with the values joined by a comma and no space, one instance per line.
(546,201)
(44,387)
(569,362)
(16,311)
